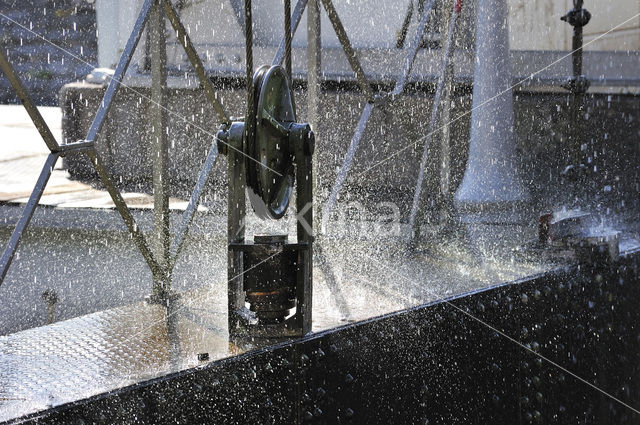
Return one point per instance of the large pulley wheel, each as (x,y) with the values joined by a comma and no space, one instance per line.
(269,162)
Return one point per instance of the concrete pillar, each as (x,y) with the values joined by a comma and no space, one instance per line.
(492,190)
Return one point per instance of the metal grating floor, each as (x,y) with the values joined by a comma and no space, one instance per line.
(67,361)
(92,354)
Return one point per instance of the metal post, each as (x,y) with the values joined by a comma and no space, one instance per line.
(158,113)
(314,72)
(304,209)
(235,234)
(444,76)
(577,84)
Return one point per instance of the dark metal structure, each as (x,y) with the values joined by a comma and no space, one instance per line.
(156,255)
(267,153)
(577,84)
(161,254)
(557,348)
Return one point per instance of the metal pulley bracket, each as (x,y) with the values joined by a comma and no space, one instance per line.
(269,145)
(577,17)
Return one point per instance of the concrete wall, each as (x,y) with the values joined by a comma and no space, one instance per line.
(536,25)
(44,68)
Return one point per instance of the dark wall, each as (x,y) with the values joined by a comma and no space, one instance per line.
(43,67)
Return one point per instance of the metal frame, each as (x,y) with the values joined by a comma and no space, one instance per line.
(444,82)
(411,52)
(161,256)
(300,323)
(162,261)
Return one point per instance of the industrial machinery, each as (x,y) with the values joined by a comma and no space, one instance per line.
(267,152)
(557,344)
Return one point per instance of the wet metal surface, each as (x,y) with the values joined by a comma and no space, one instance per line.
(88,355)
(71,360)
(445,362)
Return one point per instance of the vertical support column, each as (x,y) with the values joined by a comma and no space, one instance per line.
(304,210)
(492,189)
(577,84)
(161,237)
(314,72)
(236,213)
(446,194)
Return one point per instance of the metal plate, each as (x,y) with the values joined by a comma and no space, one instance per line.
(443,362)
(78,358)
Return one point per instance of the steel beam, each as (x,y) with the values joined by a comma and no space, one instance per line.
(314,63)
(446,68)
(28,104)
(120,71)
(366,114)
(412,50)
(189,212)
(346,164)
(236,213)
(348,50)
(158,115)
(196,62)
(129,221)
(14,240)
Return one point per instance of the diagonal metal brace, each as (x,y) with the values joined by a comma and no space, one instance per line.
(120,71)
(14,240)
(187,215)
(411,52)
(348,50)
(196,62)
(96,125)
(28,104)
(124,211)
